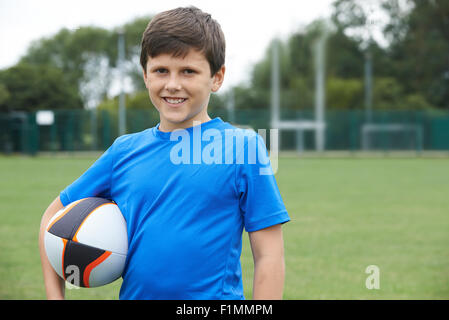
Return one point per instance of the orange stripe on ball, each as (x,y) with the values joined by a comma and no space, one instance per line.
(92,265)
(64,241)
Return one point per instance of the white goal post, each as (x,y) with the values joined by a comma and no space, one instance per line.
(300,126)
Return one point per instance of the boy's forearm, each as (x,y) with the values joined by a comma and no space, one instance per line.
(269,274)
(54,285)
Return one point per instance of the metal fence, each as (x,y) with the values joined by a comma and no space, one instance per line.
(80,130)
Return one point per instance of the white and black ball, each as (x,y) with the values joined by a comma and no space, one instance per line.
(86,242)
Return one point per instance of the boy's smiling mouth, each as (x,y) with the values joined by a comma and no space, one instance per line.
(174,101)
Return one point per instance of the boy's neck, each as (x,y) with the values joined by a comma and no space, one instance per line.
(167,126)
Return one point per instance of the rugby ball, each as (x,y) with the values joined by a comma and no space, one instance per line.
(86,242)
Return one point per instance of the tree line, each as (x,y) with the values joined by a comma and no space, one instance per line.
(410,64)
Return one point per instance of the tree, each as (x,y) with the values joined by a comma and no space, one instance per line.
(87,57)
(133,37)
(343,61)
(4,94)
(415,48)
(30,87)
(420,53)
(344,93)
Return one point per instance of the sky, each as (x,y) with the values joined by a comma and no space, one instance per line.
(248,25)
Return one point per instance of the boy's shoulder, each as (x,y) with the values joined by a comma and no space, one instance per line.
(239,130)
(243,134)
(129,139)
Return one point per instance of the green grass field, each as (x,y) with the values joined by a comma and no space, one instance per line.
(346,214)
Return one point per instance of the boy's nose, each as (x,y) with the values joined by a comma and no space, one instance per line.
(173,84)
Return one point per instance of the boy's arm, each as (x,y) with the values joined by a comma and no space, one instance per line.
(267,246)
(54,285)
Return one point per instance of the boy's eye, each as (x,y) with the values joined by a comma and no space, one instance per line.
(161,70)
(189,71)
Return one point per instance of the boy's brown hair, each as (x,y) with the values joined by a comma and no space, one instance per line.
(178,30)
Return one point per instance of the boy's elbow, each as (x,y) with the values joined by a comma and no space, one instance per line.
(52,209)
(270,263)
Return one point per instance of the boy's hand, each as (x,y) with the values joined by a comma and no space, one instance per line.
(267,246)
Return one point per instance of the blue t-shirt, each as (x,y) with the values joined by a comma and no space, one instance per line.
(186,197)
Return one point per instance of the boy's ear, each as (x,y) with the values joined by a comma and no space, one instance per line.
(145,77)
(218,78)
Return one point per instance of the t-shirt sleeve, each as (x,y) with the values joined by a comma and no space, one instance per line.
(94,182)
(260,201)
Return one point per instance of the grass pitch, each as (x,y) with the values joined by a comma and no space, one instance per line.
(347,214)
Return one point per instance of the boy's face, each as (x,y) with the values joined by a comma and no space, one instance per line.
(180,87)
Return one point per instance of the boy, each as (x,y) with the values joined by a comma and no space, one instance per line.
(185,209)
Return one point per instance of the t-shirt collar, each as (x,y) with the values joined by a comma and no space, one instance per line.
(205,125)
